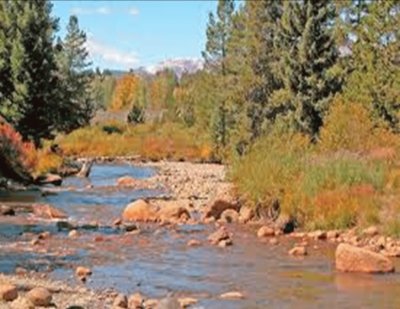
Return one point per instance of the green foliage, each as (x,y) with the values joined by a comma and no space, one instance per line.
(374,78)
(136,115)
(76,108)
(307,46)
(34,92)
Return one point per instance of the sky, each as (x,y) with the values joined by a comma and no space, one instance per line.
(131,34)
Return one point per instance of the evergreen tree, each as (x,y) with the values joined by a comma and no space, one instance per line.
(256,63)
(33,68)
(306,43)
(215,55)
(77,106)
(374,62)
(6,85)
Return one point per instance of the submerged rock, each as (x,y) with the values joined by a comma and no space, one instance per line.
(48,211)
(232,295)
(349,258)
(221,235)
(298,251)
(140,210)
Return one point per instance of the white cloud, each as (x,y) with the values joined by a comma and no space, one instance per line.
(133,11)
(102,10)
(110,55)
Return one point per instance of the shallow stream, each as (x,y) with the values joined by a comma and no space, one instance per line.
(157,261)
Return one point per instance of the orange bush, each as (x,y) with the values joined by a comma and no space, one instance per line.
(14,152)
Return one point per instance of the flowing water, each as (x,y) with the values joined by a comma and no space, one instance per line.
(157,261)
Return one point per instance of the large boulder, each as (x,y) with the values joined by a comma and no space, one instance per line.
(140,210)
(40,297)
(224,199)
(48,211)
(349,258)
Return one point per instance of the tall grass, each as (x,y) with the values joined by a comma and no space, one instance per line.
(337,183)
(151,141)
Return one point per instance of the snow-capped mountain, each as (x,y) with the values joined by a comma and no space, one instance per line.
(179,66)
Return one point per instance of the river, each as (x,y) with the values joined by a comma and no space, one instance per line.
(157,261)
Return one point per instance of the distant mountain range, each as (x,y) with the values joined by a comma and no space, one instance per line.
(179,66)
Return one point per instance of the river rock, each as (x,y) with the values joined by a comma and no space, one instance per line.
(136,301)
(8,292)
(73,234)
(220,235)
(140,210)
(370,231)
(6,210)
(230,216)
(224,199)
(318,235)
(187,302)
(168,302)
(48,212)
(273,241)
(298,251)
(50,179)
(245,214)
(232,295)
(193,243)
(22,303)
(265,231)
(349,258)
(120,301)
(151,303)
(83,271)
(40,297)
(332,235)
(285,223)
(130,182)
(171,211)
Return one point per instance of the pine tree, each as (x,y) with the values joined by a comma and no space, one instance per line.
(255,64)
(306,43)
(215,55)
(6,85)
(374,62)
(77,106)
(33,68)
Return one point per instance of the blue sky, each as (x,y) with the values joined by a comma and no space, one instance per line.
(129,34)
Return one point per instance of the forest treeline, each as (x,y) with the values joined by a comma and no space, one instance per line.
(300,98)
